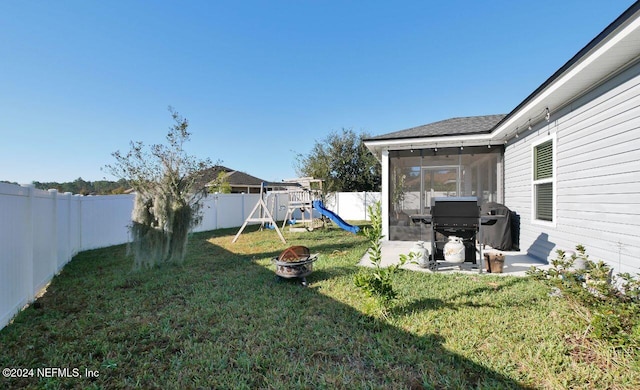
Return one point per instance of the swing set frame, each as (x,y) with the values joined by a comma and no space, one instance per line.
(264,216)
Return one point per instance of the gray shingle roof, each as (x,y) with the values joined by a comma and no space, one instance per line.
(234,178)
(241,178)
(453,126)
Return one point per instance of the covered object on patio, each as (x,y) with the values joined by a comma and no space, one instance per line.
(498,235)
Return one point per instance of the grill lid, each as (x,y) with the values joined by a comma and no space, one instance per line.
(455,212)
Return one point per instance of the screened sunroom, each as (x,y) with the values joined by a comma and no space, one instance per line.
(416,176)
(455,157)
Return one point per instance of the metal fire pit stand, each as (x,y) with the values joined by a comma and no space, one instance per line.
(295,269)
(457,216)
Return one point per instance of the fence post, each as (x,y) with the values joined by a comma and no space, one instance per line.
(242,197)
(79,203)
(215,211)
(54,236)
(68,239)
(28,275)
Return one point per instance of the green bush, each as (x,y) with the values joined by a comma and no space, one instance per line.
(378,283)
(611,302)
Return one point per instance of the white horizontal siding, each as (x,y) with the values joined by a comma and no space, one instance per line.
(597,178)
(577,176)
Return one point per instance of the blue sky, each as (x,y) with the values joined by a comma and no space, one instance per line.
(261,81)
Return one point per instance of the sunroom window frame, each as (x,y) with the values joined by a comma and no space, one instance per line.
(535,182)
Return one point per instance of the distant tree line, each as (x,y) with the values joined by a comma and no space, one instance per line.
(341,160)
(83,187)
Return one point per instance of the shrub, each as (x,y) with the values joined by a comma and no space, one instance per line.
(611,302)
(378,283)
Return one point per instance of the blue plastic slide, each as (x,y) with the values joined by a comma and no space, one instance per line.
(317,204)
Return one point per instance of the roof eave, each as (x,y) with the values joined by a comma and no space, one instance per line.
(376,146)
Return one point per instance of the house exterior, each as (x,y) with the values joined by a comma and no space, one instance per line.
(566,160)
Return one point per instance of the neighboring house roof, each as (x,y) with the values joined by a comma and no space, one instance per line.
(613,50)
(453,126)
(234,178)
(241,178)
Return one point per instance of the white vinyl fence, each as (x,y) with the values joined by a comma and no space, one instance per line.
(352,205)
(40,231)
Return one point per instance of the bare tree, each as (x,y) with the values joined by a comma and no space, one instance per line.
(168,199)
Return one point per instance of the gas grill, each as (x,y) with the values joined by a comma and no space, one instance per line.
(459,217)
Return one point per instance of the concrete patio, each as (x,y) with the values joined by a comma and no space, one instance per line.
(516,262)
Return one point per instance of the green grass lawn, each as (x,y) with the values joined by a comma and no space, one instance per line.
(224,320)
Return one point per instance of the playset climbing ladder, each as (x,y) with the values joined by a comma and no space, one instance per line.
(301,198)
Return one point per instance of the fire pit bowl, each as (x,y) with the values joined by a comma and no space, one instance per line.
(295,262)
